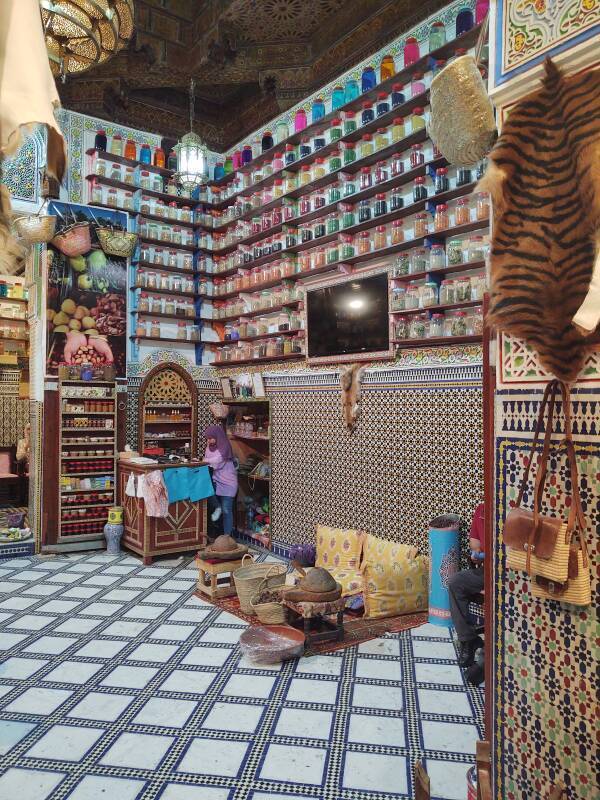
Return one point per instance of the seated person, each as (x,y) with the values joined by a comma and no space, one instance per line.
(463,588)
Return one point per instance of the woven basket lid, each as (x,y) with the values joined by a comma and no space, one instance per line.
(223,543)
(317,581)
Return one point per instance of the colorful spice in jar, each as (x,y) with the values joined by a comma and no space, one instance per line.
(334,194)
(381,139)
(319,170)
(463,290)
(381,172)
(396,165)
(333,223)
(419,189)
(348,217)
(401,265)
(417,120)
(447,295)
(462,211)
(366,146)
(398,97)
(482,206)
(437,257)
(348,185)
(397,231)
(416,156)
(396,200)
(421,227)
(364,211)
(364,243)
(335,131)
(441,219)
(349,152)
(347,248)
(459,324)
(366,180)
(397,130)
(442,184)
(335,161)
(349,122)
(368,115)
(383,105)
(380,205)
(436,326)
(380,238)
(454,252)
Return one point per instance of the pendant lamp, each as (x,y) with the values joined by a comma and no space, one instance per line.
(191,153)
(82,33)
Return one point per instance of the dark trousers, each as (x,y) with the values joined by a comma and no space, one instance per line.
(463,588)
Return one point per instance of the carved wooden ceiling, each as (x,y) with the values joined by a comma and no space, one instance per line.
(251,60)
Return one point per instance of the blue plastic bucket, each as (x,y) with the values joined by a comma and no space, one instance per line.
(444,561)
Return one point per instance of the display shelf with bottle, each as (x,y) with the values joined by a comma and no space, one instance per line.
(170,427)
(87,477)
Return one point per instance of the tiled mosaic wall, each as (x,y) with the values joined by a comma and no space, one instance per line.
(14,413)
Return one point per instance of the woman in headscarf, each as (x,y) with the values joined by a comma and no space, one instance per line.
(219,457)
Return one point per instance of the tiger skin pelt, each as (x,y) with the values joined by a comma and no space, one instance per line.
(350,378)
(544,180)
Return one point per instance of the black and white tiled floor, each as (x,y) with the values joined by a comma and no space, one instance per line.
(116,684)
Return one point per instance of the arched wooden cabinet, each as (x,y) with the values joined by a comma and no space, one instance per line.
(168,412)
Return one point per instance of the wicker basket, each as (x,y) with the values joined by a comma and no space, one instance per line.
(248,578)
(271,613)
(74,240)
(36,229)
(116,243)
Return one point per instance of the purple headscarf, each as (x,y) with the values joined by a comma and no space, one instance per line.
(223,443)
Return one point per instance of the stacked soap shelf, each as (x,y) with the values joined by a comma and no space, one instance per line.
(238,187)
(87,447)
(163,265)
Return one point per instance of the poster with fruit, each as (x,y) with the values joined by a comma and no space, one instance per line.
(86,307)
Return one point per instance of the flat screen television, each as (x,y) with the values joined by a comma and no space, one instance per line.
(348,318)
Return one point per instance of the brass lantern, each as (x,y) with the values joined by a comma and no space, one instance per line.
(191,153)
(83,33)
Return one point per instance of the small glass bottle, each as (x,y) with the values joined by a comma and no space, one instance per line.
(462,211)
(417,120)
(366,146)
(347,249)
(397,236)
(397,132)
(437,36)
(417,85)
(348,215)
(463,176)
(411,51)
(419,189)
(464,21)
(367,115)
(351,90)
(267,141)
(398,97)
(437,257)
(305,148)
(380,205)
(364,243)
(396,199)
(417,157)
(318,109)
(349,124)
(396,165)
(368,79)
(366,180)
(382,107)
(442,184)
(454,252)
(436,326)
(482,207)
(421,226)
(300,121)
(335,131)
(337,97)
(364,211)
(380,237)
(441,220)
(349,186)
(349,152)
(447,296)
(334,193)
(381,139)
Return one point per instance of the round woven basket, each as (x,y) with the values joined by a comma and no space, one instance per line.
(271,613)
(116,243)
(34,229)
(74,240)
(247,579)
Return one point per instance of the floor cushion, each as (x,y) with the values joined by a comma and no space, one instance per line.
(339,550)
(395,578)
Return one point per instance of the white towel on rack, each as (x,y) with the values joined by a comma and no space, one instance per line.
(130,487)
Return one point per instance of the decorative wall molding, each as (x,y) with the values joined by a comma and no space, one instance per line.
(519,364)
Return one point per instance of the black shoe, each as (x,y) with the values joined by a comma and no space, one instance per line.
(475,674)
(467,651)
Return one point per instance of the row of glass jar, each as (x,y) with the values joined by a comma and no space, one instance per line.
(422,326)
(168,210)
(111,197)
(457,251)
(163,256)
(176,307)
(251,278)
(172,234)
(430,293)
(155,330)
(268,299)
(267,348)
(164,282)
(262,326)
(139,179)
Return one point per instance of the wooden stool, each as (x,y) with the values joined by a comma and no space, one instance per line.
(308,611)
(208,578)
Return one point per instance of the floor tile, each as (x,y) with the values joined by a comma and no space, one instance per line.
(73,672)
(380,647)
(157,572)
(26,575)
(52,645)
(388,698)
(31,622)
(137,750)
(166,713)
(125,628)
(102,706)
(130,677)
(102,558)
(83,567)
(245,663)
(368,729)
(58,606)
(153,652)
(439,673)
(101,609)
(144,612)
(138,583)
(162,598)
(178,585)
(304,723)
(82,592)
(102,787)
(4,617)
(207,656)
(214,757)
(21,668)
(449,737)
(123,595)
(77,625)
(189,681)
(240,686)
(65,743)
(320,665)
(5,688)
(189,614)
(448,779)
(221,635)
(294,764)
(433,649)
(225,618)
(63,577)
(43,589)
(375,773)
(235,717)
(29,784)
(307,690)
(14,563)
(51,564)
(179,791)
(38,701)
(439,702)
(100,648)
(379,669)
(10,640)
(7,587)
(12,732)
(119,569)
(18,603)
(436,631)
(177,633)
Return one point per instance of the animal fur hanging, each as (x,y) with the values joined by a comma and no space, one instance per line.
(544,180)
(350,378)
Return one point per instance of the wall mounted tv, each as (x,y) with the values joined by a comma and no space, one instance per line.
(349,318)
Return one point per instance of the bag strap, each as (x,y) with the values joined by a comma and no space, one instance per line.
(482,38)
(548,393)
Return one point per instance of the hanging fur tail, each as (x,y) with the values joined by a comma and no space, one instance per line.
(350,378)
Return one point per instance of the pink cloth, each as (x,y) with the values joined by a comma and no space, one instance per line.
(155,494)
(224,474)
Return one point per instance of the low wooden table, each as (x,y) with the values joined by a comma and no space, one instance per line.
(208,579)
(310,612)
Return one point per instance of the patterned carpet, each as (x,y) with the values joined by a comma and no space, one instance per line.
(116,682)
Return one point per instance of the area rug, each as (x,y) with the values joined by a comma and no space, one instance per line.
(357,629)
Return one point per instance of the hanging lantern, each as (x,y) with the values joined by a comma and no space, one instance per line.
(191,153)
(83,33)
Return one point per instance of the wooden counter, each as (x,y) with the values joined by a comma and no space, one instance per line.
(182,530)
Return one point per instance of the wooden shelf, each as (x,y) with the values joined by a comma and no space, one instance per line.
(108,504)
(162,339)
(83,520)
(190,248)
(96,430)
(181,201)
(469,266)
(160,315)
(14,299)
(256,338)
(166,405)
(13,319)
(128,162)
(85,458)
(167,421)
(167,292)
(245,362)
(437,308)
(437,340)
(249,438)
(85,491)
(111,208)
(260,312)
(167,439)
(149,265)
(88,413)
(12,339)
(83,473)
(178,223)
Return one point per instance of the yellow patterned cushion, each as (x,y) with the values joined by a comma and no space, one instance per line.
(338,549)
(395,578)
(351,580)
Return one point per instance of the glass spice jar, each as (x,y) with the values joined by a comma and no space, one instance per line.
(335,161)
(462,288)
(441,220)
(366,180)
(347,248)
(401,330)
(335,131)
(397,132)
(380,205)
(398,298)
(349,153)
(454,252)
(436,326)
(364,243)
(381,172)
(396,165)
(442,184)
(319,229)
(334,193)
(411,298)
(380,237)
(463,176)
(418,327)
(476,250)
(417,120)
(419,189)
(348,185)
(416,156)
(396,200)
(348,215)
(318,199)
(419,260)
(402,264)
(381,139)
(428,294)
(447,293)
(459,324)
(349,122)
(397,236)
(437,257)
(319,258)
(462,211)
(366,146)
(482,207)
(333,223)
(421,225)
(364,211)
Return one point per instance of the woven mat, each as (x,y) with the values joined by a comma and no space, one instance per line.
(356,628)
